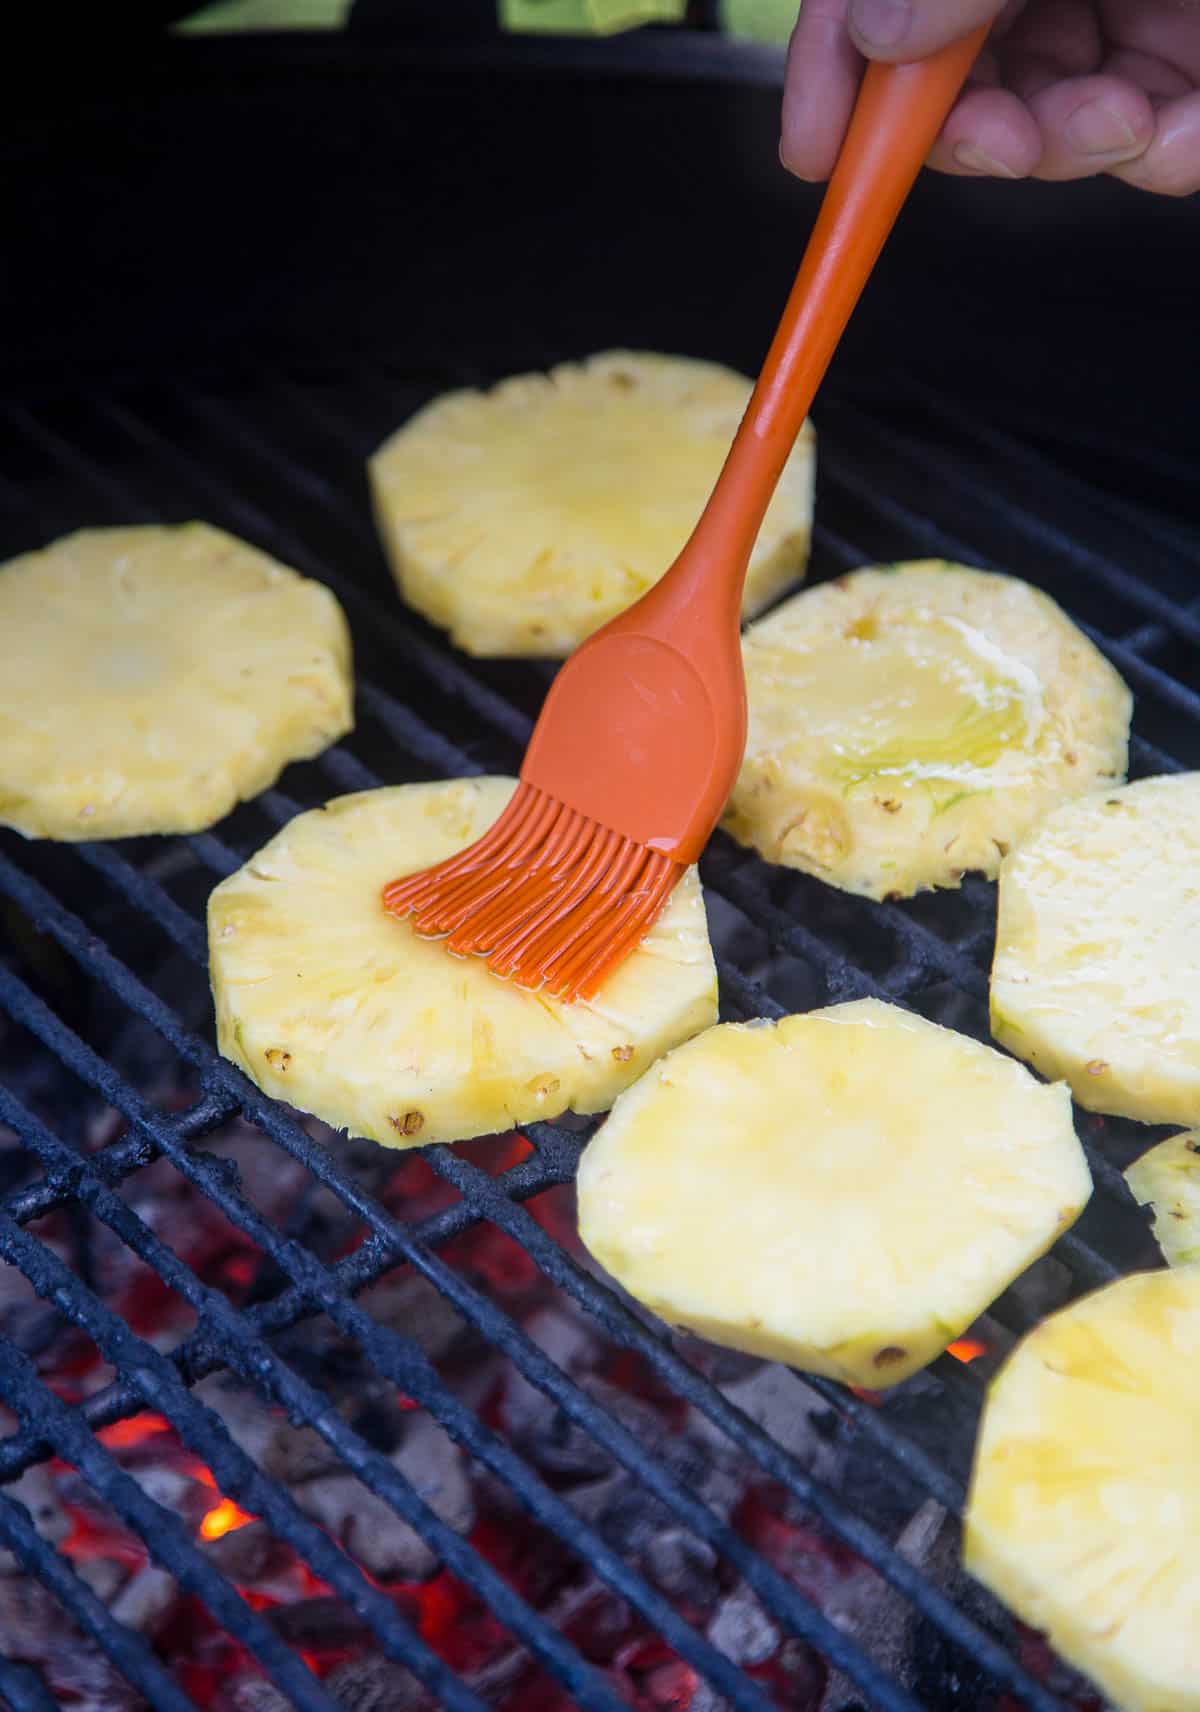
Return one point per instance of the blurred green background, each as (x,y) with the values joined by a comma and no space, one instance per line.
(754,20)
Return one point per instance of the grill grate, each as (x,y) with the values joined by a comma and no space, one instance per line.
(280,462)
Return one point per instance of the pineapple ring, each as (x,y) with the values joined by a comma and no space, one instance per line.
(524,518)
(909,723)
(150,678)
(1167,1180)
(329,1003)
(1097,941)
(1084,1510)
(782,1188)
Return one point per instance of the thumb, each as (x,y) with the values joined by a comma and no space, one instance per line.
(913,29)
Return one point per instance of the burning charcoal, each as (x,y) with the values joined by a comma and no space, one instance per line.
(706,1699)
(104,1575)
(318,1625)
(251,1694)
(30,1619)
(434,1465)
(412,1306)
(683,1566)
(25,1320)
(741,1629)
(1046,1286)
(595,1619)
(792,1414)
(249,1422)
(367,1525)
(35,1630)
(248,1554)
(297,1454)
(292,1454)
(720,1366)
(882,1620)
(527,1413)
(269,1178)
(574,1451)
(37,1491)
(801,1676)
(87,1682)
(672,1687)
(146,1600)
(374,1683)
(618,1505)
(173,1489)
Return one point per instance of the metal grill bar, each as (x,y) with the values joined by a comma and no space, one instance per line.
(417,1380)
(120,1159)
(168,1540)
(1048,537)
(924,955)
(981,1643)
(21,1690)
(935,539)
(205,1433)
(127,1650)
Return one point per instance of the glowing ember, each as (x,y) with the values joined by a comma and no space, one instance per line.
(133,1431)
(222,1519)
(966,1349)
(874,1398)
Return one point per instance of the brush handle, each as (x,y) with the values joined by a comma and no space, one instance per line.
(898,115)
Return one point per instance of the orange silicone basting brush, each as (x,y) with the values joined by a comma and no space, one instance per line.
(641,736)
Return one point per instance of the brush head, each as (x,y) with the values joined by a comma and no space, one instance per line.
(630,764)
(548,896)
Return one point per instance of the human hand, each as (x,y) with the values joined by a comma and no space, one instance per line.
(1064,88)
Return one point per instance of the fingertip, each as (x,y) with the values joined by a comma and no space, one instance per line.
(990,134)
(1090,125)
(812,165)
(820,82)
(1170,165)
(914,29)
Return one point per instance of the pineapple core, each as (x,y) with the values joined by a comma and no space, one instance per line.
(907,725)
(1084,1511)
(844,1191)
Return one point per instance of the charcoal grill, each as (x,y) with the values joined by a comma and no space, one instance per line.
(274,452)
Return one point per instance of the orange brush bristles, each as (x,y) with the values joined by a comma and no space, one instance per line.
(547,896)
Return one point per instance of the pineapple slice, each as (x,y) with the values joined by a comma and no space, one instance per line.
(844,1191)
(1084,1512)
(908,723)
(1097,942)
(524,518)
(153,677)
(1167,1180)
(328,1002)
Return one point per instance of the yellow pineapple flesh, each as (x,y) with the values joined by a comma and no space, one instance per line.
(1097,946)
(845,1191)
(328,1002)
(523,518)
(1084,1511)
(1167,1180)
(153,677)
(909,723)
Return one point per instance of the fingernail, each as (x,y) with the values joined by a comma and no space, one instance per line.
(1098,129)
(977,160)
(882,23)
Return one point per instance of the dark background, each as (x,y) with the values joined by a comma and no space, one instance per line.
(186,206)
